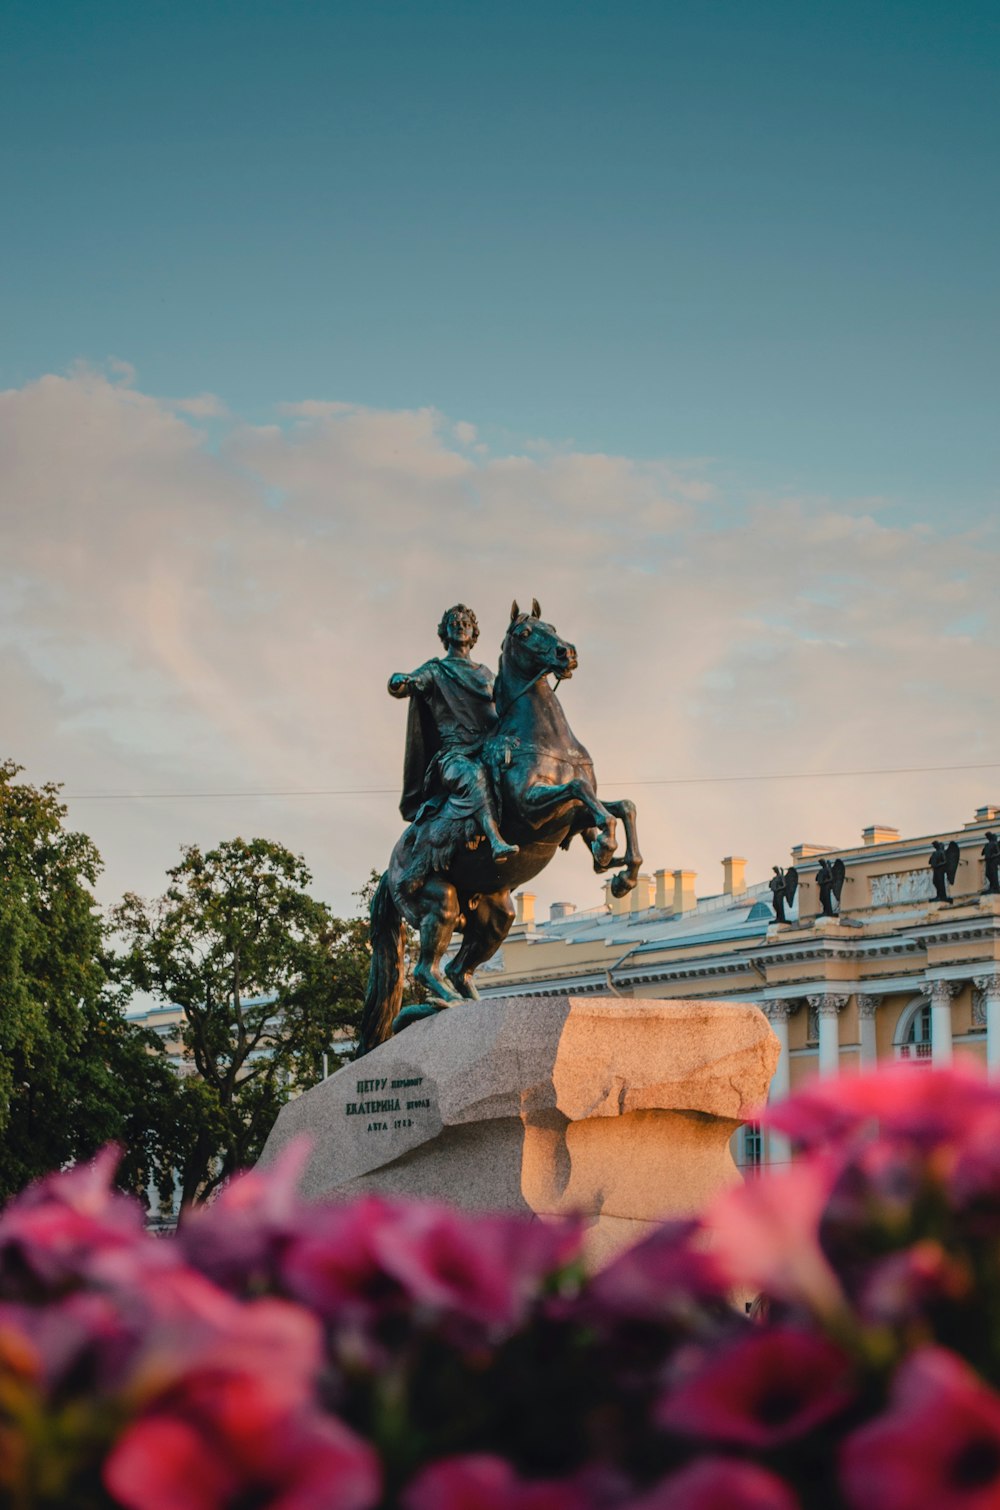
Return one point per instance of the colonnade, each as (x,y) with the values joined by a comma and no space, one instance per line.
(828,1005)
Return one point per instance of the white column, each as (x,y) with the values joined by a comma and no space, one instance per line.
(867,1008)
(941,992)
(989,988)
(779,1150)
(828,1007)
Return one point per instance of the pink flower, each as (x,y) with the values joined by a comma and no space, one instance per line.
(53,1233)
(485,1269)
(238,1238)
(175,1461)
(720,1484)
(665,1278)
(937,1447)
(482,1482)
(89,1337)
(762,1391)
(902,1286)
(196,1332)
(764,1235)
(375,1255)
(974,1174)
(927,1107)
(332,1263)
(224,1395)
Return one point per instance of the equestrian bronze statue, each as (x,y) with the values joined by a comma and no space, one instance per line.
(495,781)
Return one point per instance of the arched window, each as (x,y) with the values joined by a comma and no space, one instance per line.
(916,1040)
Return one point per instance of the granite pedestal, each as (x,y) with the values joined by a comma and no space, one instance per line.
(617,1109)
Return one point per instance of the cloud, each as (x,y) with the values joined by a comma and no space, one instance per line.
(177,616)
(201,406)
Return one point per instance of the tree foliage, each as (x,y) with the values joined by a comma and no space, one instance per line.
(266,978)
(73,1072)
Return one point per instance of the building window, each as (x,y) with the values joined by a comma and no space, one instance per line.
(753,1146)
(917,1043)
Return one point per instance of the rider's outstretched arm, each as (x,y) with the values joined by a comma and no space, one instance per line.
(408,683)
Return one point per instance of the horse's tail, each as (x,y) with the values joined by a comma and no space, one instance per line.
(384,996)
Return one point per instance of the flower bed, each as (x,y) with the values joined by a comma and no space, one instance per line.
(392,1353)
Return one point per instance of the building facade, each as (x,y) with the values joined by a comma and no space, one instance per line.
(896,975)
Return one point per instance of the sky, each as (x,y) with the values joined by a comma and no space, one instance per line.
(315,318)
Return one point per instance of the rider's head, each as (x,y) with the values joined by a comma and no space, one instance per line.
(458,618)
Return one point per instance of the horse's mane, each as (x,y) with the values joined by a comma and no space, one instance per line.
(500,690)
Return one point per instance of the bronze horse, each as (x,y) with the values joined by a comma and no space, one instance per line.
(547,794)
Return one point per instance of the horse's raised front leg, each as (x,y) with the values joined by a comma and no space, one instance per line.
(486,927)
(438,907)
(537,799)
(625,880)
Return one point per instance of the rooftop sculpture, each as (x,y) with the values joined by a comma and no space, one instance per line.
(495,781)
(830,881)
(783,886)
(944,867)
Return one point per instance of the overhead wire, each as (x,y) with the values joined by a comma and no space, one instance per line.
(387,791)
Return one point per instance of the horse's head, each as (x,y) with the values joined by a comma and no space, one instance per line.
(532,648)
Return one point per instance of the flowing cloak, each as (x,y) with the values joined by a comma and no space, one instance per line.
(467,691)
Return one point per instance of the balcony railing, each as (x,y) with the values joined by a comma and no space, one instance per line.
(920,1051)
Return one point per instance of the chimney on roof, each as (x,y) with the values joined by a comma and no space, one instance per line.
(618,905)
(806,851)
(879,833)
(642,896)
(560,910)
(684,897)
(987,814)
(664,889)
(524,902)
(734,872)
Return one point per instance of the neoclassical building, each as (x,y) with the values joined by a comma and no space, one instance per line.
(897,974)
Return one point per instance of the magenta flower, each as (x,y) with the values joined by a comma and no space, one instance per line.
(937,1446)
(208,1456)
(899,1288)
(483,1269)
(665,1278)
(483,1482)
(87,1337)
(224,1407)
(974,1174)
(719,1484)
(927,1107)
(239,1237)
(762,1391)
(764,1235)
(333,1262)
(53,1234)
(376,1255)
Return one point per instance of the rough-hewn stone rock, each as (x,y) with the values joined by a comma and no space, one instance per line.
(619,1109)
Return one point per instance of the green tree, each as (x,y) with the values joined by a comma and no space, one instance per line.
(266,977)
(74,1073)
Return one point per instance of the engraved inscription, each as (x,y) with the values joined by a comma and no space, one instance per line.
(376,1106)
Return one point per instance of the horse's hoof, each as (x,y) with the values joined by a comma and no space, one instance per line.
(438,989)
(465,987)
(604,856)
(621,886)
